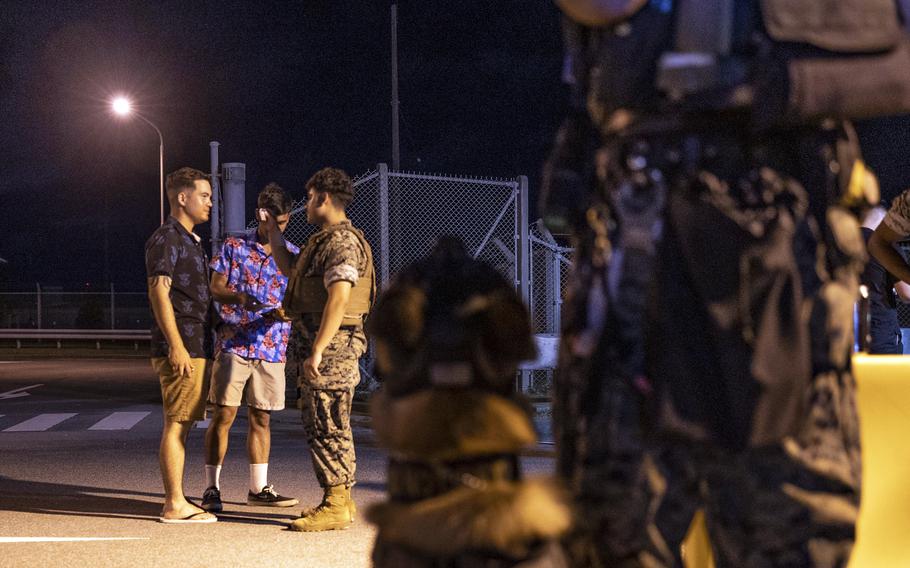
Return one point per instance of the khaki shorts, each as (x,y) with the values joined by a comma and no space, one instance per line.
(183,397)
(263,382)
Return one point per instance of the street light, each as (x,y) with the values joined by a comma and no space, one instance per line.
(122,106)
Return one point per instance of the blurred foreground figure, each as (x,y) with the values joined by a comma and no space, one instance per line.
(711,179)
(449,334)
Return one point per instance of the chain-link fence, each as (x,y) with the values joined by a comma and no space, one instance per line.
(550,265)
(403,213)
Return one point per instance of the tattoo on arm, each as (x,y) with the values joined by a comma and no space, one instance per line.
(159,280)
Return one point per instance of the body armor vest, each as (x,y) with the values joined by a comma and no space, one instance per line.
(308,295)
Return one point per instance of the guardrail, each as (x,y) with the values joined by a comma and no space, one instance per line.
(61,335)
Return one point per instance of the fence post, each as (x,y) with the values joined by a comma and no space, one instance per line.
(524,241)
(383,225)
(38,286)
(557,293)
(523,261)
(113,318)
(216,198)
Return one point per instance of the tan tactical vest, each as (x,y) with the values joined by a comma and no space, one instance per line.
(307,294)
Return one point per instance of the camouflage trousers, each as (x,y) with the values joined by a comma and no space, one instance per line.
(326,418)
(793,504)
(762,506)
(325,403)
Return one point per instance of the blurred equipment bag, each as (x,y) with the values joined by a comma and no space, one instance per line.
(790,61)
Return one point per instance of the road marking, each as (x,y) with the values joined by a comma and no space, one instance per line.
(8,539)
(119,421)
(40,423)
(16,393)
(203,423)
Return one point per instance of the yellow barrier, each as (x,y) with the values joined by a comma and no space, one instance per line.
(883,539)
(884,409)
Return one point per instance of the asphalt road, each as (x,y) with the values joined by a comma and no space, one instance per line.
(79,480)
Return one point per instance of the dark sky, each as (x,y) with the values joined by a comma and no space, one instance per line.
(284,87)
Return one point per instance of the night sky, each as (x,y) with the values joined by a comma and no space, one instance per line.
(285,88)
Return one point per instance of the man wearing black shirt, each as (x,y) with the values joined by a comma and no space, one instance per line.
(178,285)
(882,285)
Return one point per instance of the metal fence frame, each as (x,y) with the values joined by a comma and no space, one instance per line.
(379,220)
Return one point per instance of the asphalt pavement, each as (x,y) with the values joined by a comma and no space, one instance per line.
(80,486)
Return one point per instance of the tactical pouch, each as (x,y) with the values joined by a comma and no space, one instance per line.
(847,60)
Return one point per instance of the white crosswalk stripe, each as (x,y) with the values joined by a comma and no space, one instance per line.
(204,423)
(119,421)
(40,423)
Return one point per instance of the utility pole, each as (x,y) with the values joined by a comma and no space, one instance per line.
(396,155)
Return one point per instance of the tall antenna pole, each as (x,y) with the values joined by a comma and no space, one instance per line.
(396,155)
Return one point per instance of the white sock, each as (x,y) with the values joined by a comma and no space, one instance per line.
(259,476)
(213,476)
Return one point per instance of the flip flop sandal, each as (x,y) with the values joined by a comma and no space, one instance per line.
(191,519)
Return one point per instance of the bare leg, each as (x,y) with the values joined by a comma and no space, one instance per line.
(171,455)
(218,433)
(259,439)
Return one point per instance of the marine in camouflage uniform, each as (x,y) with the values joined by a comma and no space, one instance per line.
(337,253)
(705,354)
(449,334)
(326,402)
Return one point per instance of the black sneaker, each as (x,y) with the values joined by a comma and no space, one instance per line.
(211,500)
(268,497)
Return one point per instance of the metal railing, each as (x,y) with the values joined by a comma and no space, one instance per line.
(50,307)
(58,336)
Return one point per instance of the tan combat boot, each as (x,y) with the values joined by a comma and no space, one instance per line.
(335,512)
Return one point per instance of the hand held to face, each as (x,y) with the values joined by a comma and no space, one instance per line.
(269,222)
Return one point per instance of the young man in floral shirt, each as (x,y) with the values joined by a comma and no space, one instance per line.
(250,351)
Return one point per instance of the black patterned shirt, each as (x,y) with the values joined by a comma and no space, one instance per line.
(175,252)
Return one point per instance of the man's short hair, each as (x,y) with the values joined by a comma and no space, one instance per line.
(184,178)
(335,182)
(274,199)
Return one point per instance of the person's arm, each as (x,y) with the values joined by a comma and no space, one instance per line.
(881,246)
(903,291)
(159,288)
(223,294)
(599,12)
(332,316)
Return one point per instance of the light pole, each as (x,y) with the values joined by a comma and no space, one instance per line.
(123,107)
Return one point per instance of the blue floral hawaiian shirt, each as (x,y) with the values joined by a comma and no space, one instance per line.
(250,270)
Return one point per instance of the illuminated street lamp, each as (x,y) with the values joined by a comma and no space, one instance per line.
(123,107)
